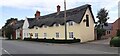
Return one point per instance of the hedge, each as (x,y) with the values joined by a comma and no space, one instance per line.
(53,40)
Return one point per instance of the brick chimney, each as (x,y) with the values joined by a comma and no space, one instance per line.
(58,9)
(37,14)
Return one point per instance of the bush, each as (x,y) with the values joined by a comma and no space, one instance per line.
(115,42)
(100,32)
(53,40)
(118,32)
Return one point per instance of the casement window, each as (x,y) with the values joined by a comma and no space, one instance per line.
(27,34)
(45,35)
(35,27)
(108,32)
(36,34)
(70,23)
(57,35)
(24,34)
(87,20)
(71,34)
(45,26)
(56,25)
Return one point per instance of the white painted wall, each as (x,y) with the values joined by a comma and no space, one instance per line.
(25,27)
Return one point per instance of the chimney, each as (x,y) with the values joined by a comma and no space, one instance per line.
(37,14)
(58,9)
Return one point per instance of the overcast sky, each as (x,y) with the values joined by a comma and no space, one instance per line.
(26,8)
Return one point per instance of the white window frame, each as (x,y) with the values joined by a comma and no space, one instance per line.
(57,25)
(70,23)
(36,34)
(45,26)
(71,34)
(57,34)
(44,35)
(27,34)
(35,27)
(24,34)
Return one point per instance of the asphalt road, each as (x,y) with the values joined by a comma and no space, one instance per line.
(11,47)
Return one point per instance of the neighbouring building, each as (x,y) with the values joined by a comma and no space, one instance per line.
(115,27)
(108,32)
(80,24)
(17,29)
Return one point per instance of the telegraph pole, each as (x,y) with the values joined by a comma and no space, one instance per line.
(65,19)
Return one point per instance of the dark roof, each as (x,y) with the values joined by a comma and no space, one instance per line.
(108,27)
(75,14)
(18,25)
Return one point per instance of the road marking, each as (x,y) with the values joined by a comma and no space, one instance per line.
(6,52)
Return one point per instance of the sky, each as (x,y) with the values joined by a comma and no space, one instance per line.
(26,8)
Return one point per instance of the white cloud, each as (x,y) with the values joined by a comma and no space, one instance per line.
(49,6)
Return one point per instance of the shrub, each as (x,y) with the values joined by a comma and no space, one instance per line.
(100,32)
(115,42)
(118,32)
(53,40)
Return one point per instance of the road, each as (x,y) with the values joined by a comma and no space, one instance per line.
(11,47)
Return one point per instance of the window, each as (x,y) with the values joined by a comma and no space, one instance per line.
(36,27)
(24,34)
(70,23)
(108,32)
(71,35)
(27,34)
(45,26)
(36,34)
(57,35)
(56,25)
(45,35)
(87,20)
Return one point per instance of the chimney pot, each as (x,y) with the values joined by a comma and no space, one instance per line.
(37,14)
(58,9)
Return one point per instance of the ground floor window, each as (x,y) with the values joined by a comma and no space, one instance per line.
(108,32)
(27,34)
(57,35)
(24,34)
(36,34)
(71,34)
(45,35)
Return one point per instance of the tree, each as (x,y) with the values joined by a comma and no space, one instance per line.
(7,28)
(102,16)
(8,31)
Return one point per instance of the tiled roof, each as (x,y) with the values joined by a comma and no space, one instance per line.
(18,25)
(108,27)
(75,14)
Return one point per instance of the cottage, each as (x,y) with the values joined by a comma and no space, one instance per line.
(80,25)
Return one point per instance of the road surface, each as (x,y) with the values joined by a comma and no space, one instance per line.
(11,47)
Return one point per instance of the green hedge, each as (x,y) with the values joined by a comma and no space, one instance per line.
(53,40)
(115,42)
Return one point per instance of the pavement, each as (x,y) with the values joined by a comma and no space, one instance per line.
(11,47)
(104,41)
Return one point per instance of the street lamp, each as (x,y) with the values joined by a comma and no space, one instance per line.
(65,19)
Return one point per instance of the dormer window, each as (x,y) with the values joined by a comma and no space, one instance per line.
(45,26)
(36,27)
(70,23)
(56,25)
